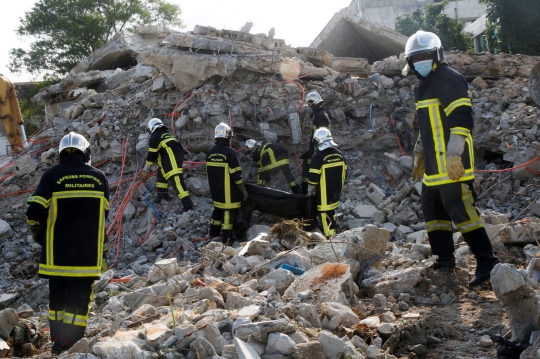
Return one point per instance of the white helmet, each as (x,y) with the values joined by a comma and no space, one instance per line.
(251,145)
(424,42)
(323,138)
(313,98)
(154,124)
(75,141)
(223,131)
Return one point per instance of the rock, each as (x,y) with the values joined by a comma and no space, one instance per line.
(280,344)
(345,314)
(202,348)
(114,348)
(372,352)
(392,283)
(198,186)
(8,320)
(479,83)
(332,346)
(364,210)
(255,230)
(259,330)
(375,193)
(213,295)
(379,300)
(513,288)
(326,278)
(155,295)
(25,311)
(372,322)
(280,279)
(485,341)
(244,350)
(235,264)
(311,350)
(25,165)
(142,146)
(7,298)
(157,334)
(419,349)
(163,269)
(4,348)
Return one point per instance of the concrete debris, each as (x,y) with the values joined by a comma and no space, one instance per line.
(365,293)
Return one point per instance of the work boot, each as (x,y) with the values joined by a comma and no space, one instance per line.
(187,203)
(57,349)
(444,264)
(480,245)
(484,264)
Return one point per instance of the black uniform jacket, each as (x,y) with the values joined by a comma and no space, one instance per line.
(166,151)
(224,171)
(328,171)
(320,119)
(72,199)
(270,156)
(444,107)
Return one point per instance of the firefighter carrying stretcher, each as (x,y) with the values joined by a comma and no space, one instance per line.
(271,158)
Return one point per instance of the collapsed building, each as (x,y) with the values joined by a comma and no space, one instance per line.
(281,292)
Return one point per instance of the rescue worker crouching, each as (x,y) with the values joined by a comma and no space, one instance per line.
(327,174)
(320,119)
(67,214)
(226,183)
(444,160)
(167,151)
(271,158)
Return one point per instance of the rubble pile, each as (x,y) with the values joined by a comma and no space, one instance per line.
(278,292)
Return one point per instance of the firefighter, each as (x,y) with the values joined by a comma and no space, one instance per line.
(327,173)
(444,157)
(226,183)
(167,151)
(320,119)
(67,214)
(271,158)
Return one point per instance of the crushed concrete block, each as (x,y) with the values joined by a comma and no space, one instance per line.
(375,193)
(260,330)
(392,283)
(331,345)
(513,288)
(280,279)
(25,165)
(198,186)
(163,269)
(479,83)
(4,348)
(203,348)
(8,320)
(245,350)
(417,237)
(213,295)
(157,334)
(280,344)
(327,278)
(344,313)
(311,350)
(372,322)
(364,210)
(5,229)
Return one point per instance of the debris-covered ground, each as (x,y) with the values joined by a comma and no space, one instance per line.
(367,293)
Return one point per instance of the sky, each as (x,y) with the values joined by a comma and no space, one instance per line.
(298,22)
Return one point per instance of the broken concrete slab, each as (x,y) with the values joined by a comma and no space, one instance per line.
(394,282)
(326,278)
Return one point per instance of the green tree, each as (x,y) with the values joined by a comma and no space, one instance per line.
(30,110)
(433,19)
(66,31)
(513,26)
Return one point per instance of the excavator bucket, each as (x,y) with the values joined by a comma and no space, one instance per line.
(10,114)
(534,84)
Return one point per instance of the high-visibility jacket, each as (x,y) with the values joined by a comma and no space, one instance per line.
(72,201)
(166,151)
(444,107)
(270,156)
(224,172)
(328,171)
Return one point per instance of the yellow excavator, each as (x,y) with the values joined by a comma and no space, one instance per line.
(10,115)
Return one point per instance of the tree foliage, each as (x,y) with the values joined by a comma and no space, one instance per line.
(66,31)
(513,26)
(433,19)
(31,110)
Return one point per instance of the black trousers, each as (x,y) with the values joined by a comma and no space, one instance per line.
(222,221)
(264,177)
(453,202)
(69,305)
(177,181)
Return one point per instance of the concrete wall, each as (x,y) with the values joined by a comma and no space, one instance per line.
(384,12)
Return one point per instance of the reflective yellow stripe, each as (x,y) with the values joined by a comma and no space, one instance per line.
(162,185)
(328,207)
(181,190)
(316,171)
(470,226)
(438,137)
(438,225)
(56,314)
(163,143)
(325,218)
(215,222)
(153,149)
(149,163)
(274,165)
(460,131)
(241,180)
(68,271)
(292,184)
(172,159)
(236,169)
(78,194)
(427,103)
(227,225)
(79,320)
(32,222)
(221,205)
(457,103)
(313,183)
(38,199)
(444,179)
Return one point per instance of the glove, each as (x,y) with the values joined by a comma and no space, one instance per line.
(38,231)
(242,189)
(454,167)
(418,170)
(311,190)
(144,175)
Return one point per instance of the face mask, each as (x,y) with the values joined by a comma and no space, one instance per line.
(423,67)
